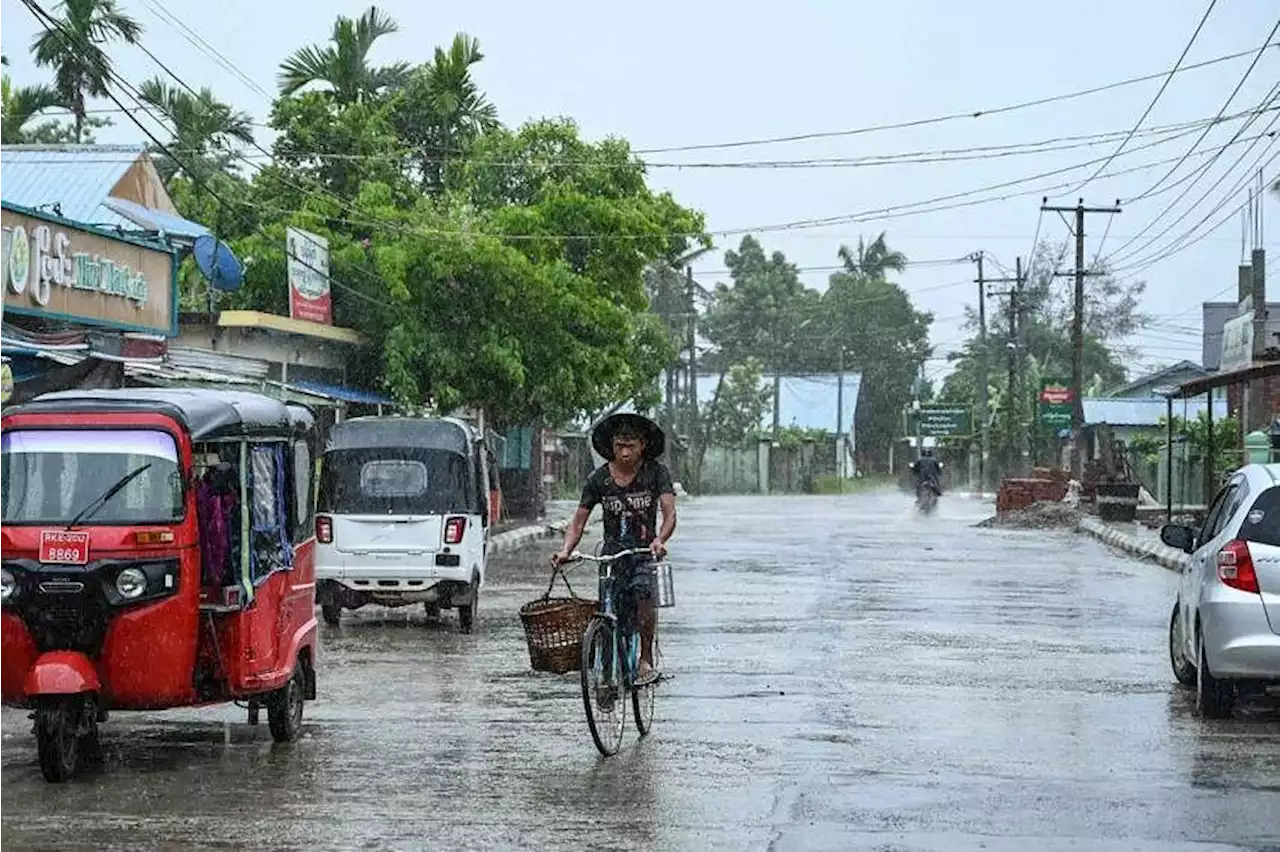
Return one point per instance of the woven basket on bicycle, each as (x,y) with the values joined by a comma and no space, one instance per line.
(554,628)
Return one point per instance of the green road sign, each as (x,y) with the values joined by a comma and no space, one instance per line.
(1054,404)
(940,421)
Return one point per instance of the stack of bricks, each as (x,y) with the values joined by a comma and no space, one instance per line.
(1016,494)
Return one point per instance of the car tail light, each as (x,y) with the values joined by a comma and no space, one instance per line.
(324,529)
(1235,567)
(453,530)
(153,537)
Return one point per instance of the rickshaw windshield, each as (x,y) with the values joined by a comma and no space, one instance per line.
(394,481)
(51,475)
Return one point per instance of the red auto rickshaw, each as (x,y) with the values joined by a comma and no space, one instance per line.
(158,552)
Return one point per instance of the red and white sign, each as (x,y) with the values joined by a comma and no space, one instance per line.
(64,547)
(307,265)
(1056,395)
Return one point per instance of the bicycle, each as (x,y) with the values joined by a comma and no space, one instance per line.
(607,675)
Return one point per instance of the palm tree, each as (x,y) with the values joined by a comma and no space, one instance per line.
(443,109)
(73,49)
(203,128)
(874,259)
(18,105)
(344,64)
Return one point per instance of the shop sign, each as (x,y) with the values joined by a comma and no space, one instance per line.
(308,270)
(53,268)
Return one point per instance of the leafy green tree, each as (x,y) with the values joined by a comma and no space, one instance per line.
(739,406)
(343,65)
(73,48)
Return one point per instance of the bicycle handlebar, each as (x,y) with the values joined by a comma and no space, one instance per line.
(579,556)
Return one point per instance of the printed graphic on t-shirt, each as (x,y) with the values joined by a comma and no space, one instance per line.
(630,511)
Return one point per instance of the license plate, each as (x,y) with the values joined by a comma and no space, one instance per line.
(64,547)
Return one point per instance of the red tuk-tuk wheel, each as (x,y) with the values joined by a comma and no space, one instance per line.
(66,729)
(284,709)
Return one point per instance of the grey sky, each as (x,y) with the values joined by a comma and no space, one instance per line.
(664,74)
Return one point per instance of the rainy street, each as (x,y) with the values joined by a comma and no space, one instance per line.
(844,675)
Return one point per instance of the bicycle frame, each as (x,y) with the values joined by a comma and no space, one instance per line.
(630,642)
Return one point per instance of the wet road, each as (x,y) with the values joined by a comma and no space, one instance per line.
(846,676)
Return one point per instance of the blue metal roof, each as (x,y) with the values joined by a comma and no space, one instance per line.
(1144,411)
(77,179)
(341,392)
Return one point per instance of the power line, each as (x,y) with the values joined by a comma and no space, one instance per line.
(1119,254)
(924,156)
(1151,105)
(1225,104)
(956,116)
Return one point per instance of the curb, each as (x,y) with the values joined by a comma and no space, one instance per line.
(1161,554)
(519,537)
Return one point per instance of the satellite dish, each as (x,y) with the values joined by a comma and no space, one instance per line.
(218,263)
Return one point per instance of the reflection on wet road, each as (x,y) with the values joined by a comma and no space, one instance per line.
(846,675)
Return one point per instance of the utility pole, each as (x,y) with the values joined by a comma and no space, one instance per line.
(1077,328)
(983,445)
(1013,405)
(695,425)
(840,423)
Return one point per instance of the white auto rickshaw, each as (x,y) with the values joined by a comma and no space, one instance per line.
(403,516)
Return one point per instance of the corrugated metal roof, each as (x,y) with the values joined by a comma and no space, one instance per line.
(809,402)
(76,178)
(1144,411)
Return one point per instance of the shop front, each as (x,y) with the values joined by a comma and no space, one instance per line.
(80,302)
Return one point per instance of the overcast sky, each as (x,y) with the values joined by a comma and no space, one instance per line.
(667,74)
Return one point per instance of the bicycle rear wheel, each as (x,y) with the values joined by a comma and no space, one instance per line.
(602,694)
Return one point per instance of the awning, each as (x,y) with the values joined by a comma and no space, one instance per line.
(341,393)
(1195,387)
(156,220)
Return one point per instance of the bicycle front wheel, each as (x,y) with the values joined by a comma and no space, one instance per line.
(602,694)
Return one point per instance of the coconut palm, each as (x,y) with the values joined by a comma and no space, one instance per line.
(443,109)
(203,128)
(343,65)
(873,259)
(20,104)
(73,49)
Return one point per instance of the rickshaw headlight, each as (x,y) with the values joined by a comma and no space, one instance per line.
(131,583)
(7,585)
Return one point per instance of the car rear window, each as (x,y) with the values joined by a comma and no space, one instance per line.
(394,481)
(1262,523)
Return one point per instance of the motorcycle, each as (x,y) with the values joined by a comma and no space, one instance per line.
(926,498)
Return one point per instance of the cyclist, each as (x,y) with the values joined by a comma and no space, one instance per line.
(629,487)
(928,470)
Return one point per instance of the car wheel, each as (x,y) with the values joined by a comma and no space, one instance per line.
(1183,669)
(467,612)
(1214,697)
(332,614)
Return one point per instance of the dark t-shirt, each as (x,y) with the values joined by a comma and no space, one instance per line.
(630,513)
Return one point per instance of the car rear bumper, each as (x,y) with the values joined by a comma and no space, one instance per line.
(1237,637)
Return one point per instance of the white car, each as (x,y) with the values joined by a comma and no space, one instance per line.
(1224,632)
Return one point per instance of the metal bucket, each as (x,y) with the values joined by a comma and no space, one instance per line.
(666,590)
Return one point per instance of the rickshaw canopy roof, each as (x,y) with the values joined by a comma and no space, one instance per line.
(206,414)
(428,433)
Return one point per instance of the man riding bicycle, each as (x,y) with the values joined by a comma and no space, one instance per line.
(629,487)
(928,470)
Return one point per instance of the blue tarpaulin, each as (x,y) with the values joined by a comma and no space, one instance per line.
(341,392)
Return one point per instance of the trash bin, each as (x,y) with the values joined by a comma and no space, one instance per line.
(1117,501)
